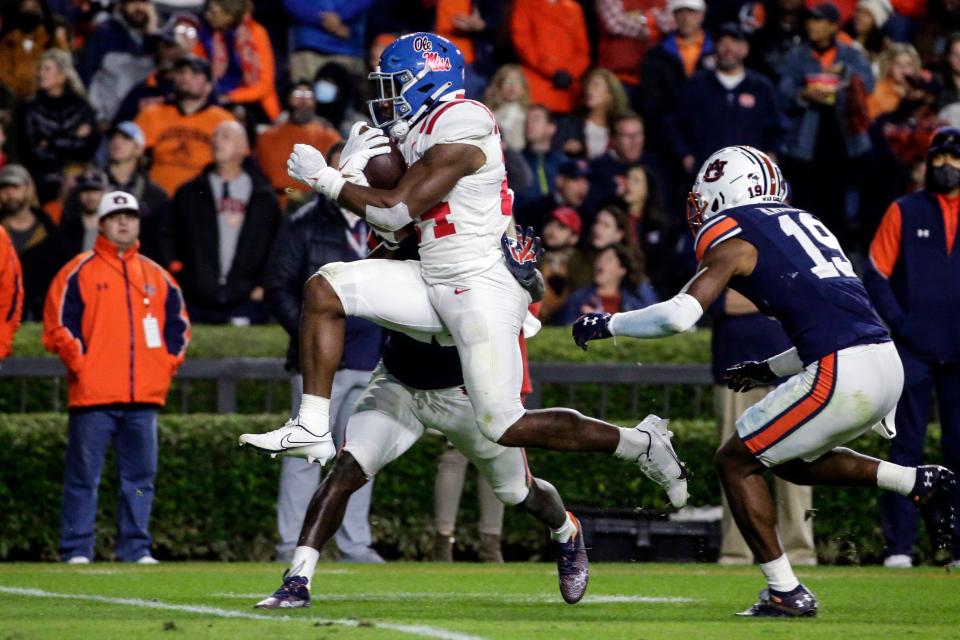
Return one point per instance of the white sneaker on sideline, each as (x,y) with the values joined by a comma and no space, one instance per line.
(147,559)
(78,560)
(659,461)
(898,561)
(293,439)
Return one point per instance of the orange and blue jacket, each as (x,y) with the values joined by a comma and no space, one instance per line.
(119,324)
(11,294)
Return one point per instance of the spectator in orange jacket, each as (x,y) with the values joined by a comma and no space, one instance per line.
(550,37)
(119,324)
(11,294)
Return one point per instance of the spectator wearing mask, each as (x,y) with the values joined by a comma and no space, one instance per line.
(125,148)
(618,285)
(586,132)
(508,96)
(544,162)
(550,38)
(302,125)
(241,58)
(329,31)
(34,237)
(26,34)
(726,106)
(471,25)
(823,89)
(913,283)
(119,54)
(899,63)
(560,237)
(80,224)
(670,64)
(318,233)
(628,28)
(178,132)
(742,334)
(573,184)
(114,387)
(223,224)
(335,91)
(11,294)
(57,127)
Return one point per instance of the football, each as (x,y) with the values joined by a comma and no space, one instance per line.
(384,172)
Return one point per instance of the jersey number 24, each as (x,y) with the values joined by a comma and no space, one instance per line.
(813,237)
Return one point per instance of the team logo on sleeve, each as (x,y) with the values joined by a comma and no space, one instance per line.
(715,171)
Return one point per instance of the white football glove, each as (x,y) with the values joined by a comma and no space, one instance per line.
(307,165)
(360,147)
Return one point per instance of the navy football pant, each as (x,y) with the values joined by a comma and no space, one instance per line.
(921,380)
(134,435)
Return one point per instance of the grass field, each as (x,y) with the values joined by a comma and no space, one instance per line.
(463,601)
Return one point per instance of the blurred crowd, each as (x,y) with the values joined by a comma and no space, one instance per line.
(607,109)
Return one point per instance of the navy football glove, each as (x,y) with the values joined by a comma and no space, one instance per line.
(747,375)
(522,255)
(591,326)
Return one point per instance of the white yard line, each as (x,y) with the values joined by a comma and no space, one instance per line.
(404,596)
(412,629)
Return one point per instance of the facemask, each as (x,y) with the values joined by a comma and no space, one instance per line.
(325,91)
(944,178)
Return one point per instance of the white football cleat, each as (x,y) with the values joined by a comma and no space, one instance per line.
(659,461)
(292,439)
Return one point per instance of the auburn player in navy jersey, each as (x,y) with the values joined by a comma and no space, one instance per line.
(846,376)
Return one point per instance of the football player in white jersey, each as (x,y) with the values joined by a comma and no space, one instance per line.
(455,190)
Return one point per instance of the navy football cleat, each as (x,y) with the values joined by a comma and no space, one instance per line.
(936,494)
(799,603)
(292,594)
(573,566)
(591,326)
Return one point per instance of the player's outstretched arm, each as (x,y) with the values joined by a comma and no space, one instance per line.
(425,183)
(681,312)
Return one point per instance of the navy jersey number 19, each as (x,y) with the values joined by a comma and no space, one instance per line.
(815,239)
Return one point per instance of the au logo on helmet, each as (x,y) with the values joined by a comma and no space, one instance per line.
(715,171)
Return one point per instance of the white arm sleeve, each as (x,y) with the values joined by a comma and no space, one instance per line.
(677,314)
(787,363)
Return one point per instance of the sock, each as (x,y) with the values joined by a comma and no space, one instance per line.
(893,477)
(304,563)
(566,531)
(779,575)
(632,444)
(314,414)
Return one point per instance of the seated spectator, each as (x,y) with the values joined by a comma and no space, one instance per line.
(618,285)
(865,26)
(34,237)
(543,161)
(57,126)
(26,34)
(586,132)
(333,31)
(336,92)
(301,125)
(550,38)
(508,96)
(560,237)
(79,226)
(609,228)
(224,222)
(898,64)
(118,54)
(628,28)
(241,58)
(649,230)
(179,131)
(627,148)
(472,27)
(572,187)
(125,172)
(177,38)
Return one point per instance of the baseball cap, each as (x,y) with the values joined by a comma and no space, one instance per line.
(694,5)
(115,202)
(574,169)
(825,11)
(131,130)
(568,217)
(198,64)
(92,178)
(14,174)
(730,30)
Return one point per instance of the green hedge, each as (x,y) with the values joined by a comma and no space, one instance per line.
(215,501)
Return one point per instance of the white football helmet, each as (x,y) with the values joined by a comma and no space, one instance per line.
(732,177)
